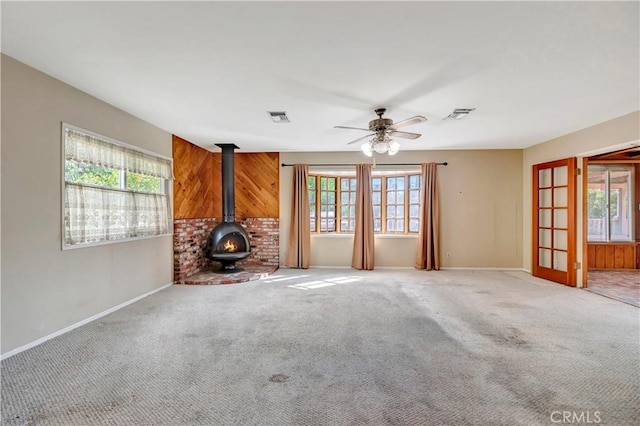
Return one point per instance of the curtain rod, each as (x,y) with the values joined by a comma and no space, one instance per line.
(353,164)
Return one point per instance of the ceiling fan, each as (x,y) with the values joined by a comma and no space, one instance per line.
(382,130)
(386,126)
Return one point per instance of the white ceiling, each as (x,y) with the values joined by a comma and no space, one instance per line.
(209,71)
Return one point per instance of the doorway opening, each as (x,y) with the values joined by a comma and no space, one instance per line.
(611,205)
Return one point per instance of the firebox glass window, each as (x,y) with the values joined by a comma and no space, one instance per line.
(112,191)
(395,199)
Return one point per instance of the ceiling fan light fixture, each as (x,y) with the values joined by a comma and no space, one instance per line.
(394,147)
(381,147)
(367,148)
(382,129)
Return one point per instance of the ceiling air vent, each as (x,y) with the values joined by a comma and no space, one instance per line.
(278,116)
(459,113)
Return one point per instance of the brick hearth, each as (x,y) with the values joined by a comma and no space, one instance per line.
(244,274)
(190,238)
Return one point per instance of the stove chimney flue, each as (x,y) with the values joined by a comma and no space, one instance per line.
(228,182)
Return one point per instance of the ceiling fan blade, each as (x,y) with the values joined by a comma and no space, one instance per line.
(359,139)
(354,128)
(405,135)
(408,122)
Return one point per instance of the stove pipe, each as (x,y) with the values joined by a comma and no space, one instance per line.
(228,183)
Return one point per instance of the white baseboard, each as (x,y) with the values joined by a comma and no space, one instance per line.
(448,268)
(330,267)
(80,323)
(464,268)
(396,267)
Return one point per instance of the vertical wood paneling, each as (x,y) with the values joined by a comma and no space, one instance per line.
(197,187)
(629,258)
(599,257)
(613,256)
(618,261)
(591,256)
(609,256)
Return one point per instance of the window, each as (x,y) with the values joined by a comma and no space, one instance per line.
(395,197)
(348,204)
(414,202)
(112,191)
(312,202)
(327,203)
(609,201)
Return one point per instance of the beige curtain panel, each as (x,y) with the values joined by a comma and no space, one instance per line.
(299,246)
(363,240)
(428,256)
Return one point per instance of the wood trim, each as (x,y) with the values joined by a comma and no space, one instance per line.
(629,161)
(535,221)
(636,204)
(571,203)
(584,222)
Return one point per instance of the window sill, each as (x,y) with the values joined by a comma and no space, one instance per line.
(109,242)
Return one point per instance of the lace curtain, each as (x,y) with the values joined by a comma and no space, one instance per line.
(88,149)
(94,214)
(97,214)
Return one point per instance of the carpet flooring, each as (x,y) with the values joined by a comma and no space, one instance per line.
(341,347)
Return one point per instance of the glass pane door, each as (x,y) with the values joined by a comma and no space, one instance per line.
(554,221)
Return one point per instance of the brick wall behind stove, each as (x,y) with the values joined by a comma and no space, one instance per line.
(190,238)
(264,235)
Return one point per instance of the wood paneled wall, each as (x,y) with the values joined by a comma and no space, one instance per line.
(257,185)
(612,256)
(197,188)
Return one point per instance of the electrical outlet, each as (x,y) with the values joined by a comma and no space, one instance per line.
(448,254)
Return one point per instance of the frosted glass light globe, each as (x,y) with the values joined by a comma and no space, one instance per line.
(394,147)
(367,148)
(380,147)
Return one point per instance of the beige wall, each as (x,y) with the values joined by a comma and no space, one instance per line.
(481,210)
(45,289)
(614,134)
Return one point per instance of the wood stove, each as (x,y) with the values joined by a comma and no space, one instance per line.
(228,241)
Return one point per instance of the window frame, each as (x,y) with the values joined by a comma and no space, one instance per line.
(607,169)
(383,200)
(166,186)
